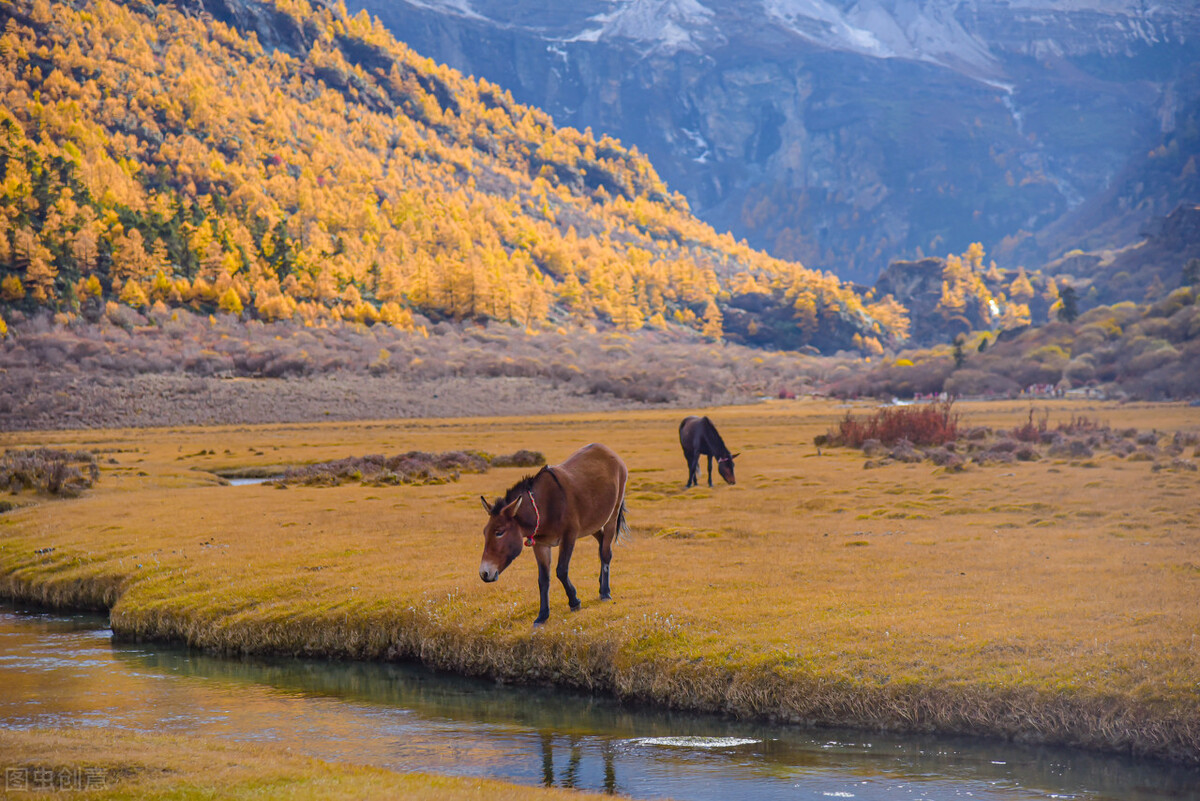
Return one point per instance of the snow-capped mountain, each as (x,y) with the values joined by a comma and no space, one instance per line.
(850,132)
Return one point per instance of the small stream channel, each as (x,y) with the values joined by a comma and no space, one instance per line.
(64,670)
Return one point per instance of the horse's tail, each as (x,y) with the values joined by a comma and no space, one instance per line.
(622,523)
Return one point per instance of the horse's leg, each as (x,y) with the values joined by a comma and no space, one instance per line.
(606,540)
(693,461)
(542,554)
(710,469)
(564,562)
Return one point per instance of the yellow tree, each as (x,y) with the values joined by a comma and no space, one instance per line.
(713,322)
(1021,289)
(130,259)
(37,261)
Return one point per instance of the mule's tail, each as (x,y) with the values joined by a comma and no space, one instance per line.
(622,523)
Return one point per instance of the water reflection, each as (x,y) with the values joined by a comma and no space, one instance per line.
(64,671)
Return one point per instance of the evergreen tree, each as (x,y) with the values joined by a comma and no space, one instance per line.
(1069,310)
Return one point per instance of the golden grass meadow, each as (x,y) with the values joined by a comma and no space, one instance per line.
(1053,601)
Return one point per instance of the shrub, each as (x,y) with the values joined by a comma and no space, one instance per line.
(1072,449)
(1026,453)
(1031,431)
(905,452)
(943,457)
(994,457)
(928,424)
(413,467)
(521,458)
(1082,424)
(52,472)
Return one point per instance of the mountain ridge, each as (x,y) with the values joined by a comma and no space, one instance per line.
(782,121)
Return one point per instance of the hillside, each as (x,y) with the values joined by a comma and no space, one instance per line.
(279,160)
(850,134)
(1148,351)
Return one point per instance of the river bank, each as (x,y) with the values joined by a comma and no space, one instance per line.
(1050,601)
(115,764)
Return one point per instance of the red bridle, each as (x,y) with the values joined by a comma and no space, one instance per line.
(537,520)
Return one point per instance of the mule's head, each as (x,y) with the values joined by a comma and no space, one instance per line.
(502,537)
(725,467)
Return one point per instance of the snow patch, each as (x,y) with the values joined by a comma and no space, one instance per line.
(666,26)
(922,30)
(455,8)
(700,143)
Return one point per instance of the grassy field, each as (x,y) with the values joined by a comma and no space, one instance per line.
(1055,600)
(111,765)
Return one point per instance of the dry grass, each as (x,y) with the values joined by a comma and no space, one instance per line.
(183,369)
(1053,600)
(122,765)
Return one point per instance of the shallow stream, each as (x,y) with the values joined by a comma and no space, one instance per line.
(59,670)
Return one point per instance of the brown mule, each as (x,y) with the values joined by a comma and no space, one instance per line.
(583,495)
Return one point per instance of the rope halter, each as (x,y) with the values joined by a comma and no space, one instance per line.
(537,520)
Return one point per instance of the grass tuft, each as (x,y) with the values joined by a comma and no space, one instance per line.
(48,472)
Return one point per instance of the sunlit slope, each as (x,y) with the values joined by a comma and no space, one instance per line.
(314,167)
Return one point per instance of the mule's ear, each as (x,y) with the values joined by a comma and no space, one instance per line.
(511,510)
(734,456)
(487,507)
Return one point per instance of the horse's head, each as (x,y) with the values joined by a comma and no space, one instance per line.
(502,537)
(725,467)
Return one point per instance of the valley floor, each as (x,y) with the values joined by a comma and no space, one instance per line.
(1053,600)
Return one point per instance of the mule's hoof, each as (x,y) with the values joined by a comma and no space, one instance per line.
(576,606)
(540,621)
(606,597)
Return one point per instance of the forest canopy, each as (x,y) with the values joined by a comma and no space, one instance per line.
(150,155)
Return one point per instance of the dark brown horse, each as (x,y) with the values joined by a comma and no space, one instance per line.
(699,436)
(583,495)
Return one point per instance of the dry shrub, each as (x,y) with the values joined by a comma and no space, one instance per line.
(1180,465)
(905,452)
(994,457)
(1122,448)
(928,424)
(944,457)
(521,458)
(414,467)
(1031,431)
(1082,424)
(1071,449)
(52,472)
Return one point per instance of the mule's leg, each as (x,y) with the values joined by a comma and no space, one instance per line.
(542,554)
(693,461)
(710,469)
(606,539)
(564,562)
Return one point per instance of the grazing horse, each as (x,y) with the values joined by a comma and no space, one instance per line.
(699,436)
(583,495)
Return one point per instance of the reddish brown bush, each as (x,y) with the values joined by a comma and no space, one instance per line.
(928,424)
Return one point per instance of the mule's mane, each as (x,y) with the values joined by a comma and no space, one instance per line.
(520,488)
(713,439)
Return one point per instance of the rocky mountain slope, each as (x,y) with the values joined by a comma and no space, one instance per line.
(847,133)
